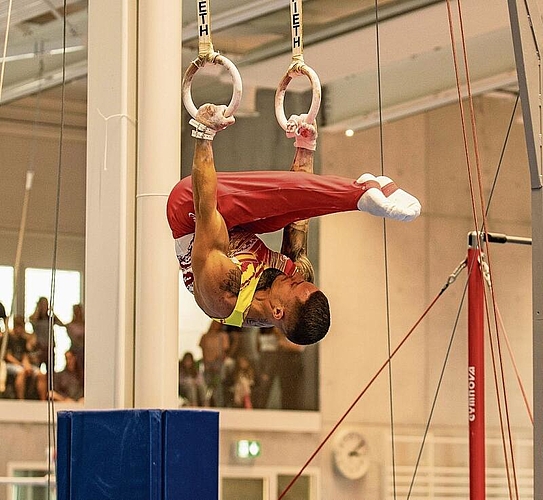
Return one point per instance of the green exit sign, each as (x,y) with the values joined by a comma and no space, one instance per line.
(248,449)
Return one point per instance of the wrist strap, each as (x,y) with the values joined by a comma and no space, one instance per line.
(201,132)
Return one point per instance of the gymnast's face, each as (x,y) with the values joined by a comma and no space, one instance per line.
(290,290)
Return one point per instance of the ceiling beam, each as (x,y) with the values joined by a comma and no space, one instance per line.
(48,80)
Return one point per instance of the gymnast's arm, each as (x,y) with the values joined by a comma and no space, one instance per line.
(215,276)
(294,243)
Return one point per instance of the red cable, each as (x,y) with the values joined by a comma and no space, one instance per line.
(462,114)
(481,199)
(496,384)
(515,367)
(485,225)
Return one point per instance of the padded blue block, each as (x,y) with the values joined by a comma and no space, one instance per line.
(191,455)
(137,455)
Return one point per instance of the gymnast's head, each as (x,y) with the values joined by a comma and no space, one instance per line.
(298,308)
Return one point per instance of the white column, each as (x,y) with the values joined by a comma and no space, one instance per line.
(159,165)
(111,140)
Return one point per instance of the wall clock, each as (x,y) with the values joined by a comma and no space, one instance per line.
(350,454)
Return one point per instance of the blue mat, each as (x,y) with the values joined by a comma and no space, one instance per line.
(138,454)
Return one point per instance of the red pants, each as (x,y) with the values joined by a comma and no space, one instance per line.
(263,202)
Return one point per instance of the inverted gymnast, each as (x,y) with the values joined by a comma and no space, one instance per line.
(215,218)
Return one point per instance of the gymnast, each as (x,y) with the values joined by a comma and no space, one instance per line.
(215,217)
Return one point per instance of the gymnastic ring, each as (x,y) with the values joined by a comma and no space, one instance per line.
(200,62)
(294,71)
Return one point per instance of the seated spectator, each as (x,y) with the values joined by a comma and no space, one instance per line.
(18,362)
(191,382)
(34,352)
(67,384)
(241,383)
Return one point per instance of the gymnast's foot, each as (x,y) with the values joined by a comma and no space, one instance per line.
(398,205)
(399,197)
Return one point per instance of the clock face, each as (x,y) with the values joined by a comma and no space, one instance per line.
(351,455)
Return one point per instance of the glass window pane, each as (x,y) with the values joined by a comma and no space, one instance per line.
(234,488)
(67,293)
(31,492)
(300,490)
(67,290)
(6,287)
(284,376)
(193,322)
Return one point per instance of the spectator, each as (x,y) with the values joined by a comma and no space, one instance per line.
(214,344)
(268,370)
(3,318)
(40,323)
(18,362)
(242,382)
(76,332)
(291,370)
(191,382)
(3,328)
(243,342)
(34,353)
(67,384)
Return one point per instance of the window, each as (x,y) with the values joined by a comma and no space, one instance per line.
(67,293)
(28,470)
(234,488)
(279,375)
(193,322)
(265,483)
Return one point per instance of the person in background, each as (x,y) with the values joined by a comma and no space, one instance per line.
(39,320)
(242,382)
(3,318)
(18,362)
(76,332)
(214,344)
(3,331)
(191,382)
(67,384)
(268,368)
(291,372)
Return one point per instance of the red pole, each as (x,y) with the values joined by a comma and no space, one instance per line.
(476,378)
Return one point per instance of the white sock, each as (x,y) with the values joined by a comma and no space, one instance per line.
(373,200)
(376,203)
(408,204)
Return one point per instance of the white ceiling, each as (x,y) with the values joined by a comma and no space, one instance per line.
(340,44)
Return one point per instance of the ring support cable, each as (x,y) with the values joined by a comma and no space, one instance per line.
(207,55)
(297,68)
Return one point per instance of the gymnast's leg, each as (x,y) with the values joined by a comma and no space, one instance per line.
(268,201)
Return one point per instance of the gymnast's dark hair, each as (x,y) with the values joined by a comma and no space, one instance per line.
(310,320)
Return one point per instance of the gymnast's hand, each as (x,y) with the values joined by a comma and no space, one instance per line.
(305,134)
(213,117)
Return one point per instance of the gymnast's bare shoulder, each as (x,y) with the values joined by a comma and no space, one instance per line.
(216,284)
